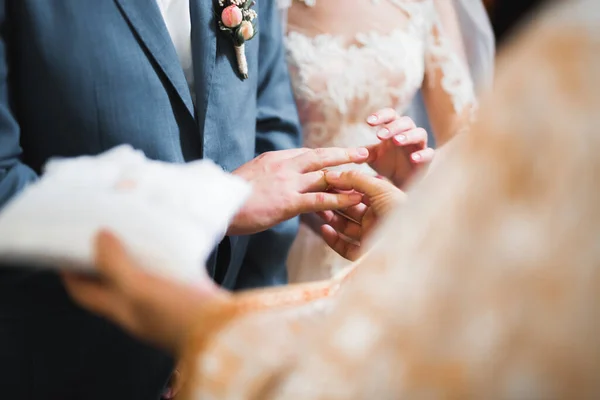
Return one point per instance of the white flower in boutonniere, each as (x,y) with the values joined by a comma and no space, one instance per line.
(237,19)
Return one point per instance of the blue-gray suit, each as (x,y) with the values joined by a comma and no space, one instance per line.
(81,76)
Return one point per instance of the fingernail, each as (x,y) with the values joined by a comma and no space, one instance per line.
(333,174)
(383,133)
(400,139)
(362,152)
(416,157)
(372,119)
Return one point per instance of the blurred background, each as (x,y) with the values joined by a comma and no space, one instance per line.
(505,15)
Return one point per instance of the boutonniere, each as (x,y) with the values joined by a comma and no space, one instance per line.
(237,19)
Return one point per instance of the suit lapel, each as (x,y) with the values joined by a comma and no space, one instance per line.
(146,20)
(204,48)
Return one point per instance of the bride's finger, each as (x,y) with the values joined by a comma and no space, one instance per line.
(314,202)
(354,213)
(326,216)
(397,127)
(357,212)
(381,117)
(362,183)
(334,240)
(423,156)
(416,136)
(312,182)
(344,225)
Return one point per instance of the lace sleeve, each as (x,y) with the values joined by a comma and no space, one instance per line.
(445,58)
(447,73)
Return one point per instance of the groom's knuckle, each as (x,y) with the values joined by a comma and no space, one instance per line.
(312,159)
(352,175)
(346,154)
(269,168)
(281,205)
(287,203)
(320,198)
(264,156)
(277,168)
(279,175)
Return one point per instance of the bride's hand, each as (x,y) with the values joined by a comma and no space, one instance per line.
(403,147)
(149,307)
(345,232)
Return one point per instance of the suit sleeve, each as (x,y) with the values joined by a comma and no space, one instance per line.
(14,175)
(277,128)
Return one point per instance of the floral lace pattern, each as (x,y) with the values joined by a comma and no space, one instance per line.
(338,84)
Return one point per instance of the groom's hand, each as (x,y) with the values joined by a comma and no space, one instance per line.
(287,183)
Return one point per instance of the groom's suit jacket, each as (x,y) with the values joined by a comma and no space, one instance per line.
(81,76)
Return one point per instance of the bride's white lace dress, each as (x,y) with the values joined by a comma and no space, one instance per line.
(349,60)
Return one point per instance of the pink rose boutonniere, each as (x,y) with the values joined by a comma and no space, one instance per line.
(237,19)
